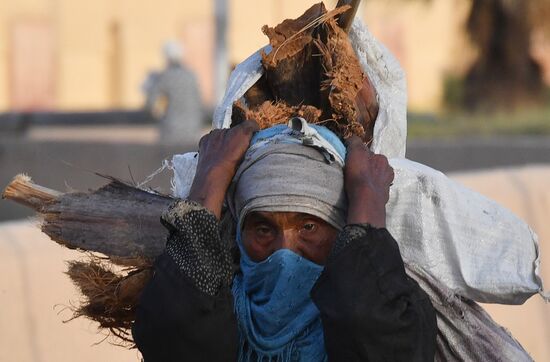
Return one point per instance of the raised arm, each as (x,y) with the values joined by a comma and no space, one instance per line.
(371,310)
(186,310)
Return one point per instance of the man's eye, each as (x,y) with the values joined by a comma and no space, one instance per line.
(263,230)
(309,227)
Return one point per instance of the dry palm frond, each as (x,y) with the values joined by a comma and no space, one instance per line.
(314,23)
(311,72)
(109,297)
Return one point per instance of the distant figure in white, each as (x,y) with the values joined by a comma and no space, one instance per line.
(173,97)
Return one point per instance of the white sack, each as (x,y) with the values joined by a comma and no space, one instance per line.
(184,167)
(473,245)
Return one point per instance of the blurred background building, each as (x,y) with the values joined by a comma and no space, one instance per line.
(81,55)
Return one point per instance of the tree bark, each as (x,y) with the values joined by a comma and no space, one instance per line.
(117,220)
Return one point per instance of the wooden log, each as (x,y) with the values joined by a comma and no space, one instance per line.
(345,19)
(312,64)
(292,71)
(23,191)
(118,220)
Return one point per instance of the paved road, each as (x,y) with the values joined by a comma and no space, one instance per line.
(71,165)
(64,164)
(480,153)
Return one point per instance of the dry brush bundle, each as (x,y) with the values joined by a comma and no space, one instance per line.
(312,72)
(110,296)
(117,228)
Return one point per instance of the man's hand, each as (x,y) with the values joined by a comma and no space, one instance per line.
(220,153)
(367,181)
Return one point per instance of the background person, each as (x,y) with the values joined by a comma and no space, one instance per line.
(173,96)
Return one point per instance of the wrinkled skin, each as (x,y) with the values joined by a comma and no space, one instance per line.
(367,180)
(306,235)
(220,153)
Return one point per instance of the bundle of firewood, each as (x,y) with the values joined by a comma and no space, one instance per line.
(311,71)
(118,228)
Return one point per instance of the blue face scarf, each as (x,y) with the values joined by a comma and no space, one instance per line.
(277,318)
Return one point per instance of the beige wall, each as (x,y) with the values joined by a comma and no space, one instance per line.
(3,61)
(427,39)
(86,46)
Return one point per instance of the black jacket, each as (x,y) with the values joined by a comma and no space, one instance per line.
(370,309)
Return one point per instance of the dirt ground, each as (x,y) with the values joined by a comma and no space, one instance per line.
(34,295)
(34,292)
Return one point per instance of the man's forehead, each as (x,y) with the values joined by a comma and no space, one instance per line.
(280,217)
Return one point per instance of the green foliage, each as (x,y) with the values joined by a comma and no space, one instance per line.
(453,92)
(453,124)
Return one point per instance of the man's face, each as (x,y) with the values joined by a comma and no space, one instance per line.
(306,235)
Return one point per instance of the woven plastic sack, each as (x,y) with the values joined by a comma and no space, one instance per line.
(184,167)
(471,244)
(465,332)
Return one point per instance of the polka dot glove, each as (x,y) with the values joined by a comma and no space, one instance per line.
(196,247)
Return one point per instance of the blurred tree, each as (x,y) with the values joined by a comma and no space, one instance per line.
(504,75)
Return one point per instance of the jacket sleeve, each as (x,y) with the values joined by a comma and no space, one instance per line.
(370,309)
(186,311)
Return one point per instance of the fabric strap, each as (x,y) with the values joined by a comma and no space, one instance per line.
(289,178)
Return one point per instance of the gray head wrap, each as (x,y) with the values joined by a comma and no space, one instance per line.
(289,177)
